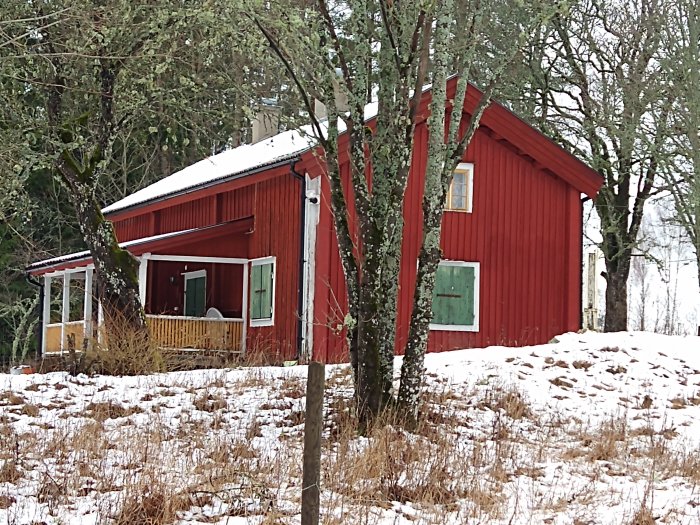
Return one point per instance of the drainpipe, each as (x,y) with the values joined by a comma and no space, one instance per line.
(30,279)
(302,261)
(580,264)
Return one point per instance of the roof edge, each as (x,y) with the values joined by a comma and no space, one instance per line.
(214,182)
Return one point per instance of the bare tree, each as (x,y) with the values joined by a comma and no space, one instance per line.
(598,88)
(682,66)
(347,51)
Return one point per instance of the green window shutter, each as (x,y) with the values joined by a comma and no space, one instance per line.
(261,291)
(255,301)
(195,296)
(453,296)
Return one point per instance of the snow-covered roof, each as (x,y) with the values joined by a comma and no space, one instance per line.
(229,163)
(239,161)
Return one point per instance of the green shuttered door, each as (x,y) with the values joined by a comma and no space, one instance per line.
(453,297)
(195,296)
(261,291)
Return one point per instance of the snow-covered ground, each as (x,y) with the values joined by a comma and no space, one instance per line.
(593,429)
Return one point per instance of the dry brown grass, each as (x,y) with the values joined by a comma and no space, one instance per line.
(110,410)
(124,352)
(472,446)
(150,507)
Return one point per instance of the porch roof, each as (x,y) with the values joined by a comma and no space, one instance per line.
(138,247)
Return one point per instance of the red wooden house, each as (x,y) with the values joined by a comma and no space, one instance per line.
(238,251)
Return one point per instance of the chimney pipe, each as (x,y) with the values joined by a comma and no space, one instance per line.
(266,121)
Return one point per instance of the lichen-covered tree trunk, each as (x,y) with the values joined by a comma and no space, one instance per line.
(444,153)
(116,270)
(429,256)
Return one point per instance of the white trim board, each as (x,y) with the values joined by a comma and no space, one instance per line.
(196,258)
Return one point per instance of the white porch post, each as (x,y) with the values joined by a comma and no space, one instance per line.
(100,321)
(87,305)
(65,309)
(244,308)
(46,316)
(143,276)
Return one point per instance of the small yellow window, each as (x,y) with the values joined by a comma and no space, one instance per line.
(459,195)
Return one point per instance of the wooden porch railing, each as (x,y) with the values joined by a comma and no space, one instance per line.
(199,333)
(169,331)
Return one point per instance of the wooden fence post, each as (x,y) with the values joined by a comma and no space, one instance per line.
(313,428)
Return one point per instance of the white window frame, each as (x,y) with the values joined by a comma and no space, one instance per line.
(477,277)
(467,167)
(193,275)
(271,320)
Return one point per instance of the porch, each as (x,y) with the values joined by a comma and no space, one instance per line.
(192,303)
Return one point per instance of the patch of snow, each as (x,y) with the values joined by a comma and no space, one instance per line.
(572,388)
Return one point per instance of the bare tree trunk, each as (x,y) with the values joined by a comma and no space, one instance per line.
(616,296)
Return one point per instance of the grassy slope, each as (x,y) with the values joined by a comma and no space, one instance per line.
(593,429)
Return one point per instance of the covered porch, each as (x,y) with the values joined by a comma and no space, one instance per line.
(73,315)
(192,302)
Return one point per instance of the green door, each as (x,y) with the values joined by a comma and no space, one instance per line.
(196,296)
(453,296)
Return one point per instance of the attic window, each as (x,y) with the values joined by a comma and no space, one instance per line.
(459,194)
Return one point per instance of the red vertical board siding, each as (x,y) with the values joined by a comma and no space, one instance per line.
(277,233)
(199,212)
(193,214)
(238,203)
(133,228)
(520,231)
(330,301)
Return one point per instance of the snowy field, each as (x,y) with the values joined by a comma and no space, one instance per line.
(594,429)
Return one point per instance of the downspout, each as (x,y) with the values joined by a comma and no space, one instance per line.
(30,279)
(580,263)
(302,241)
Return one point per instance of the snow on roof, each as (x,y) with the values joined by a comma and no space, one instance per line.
(229,163)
